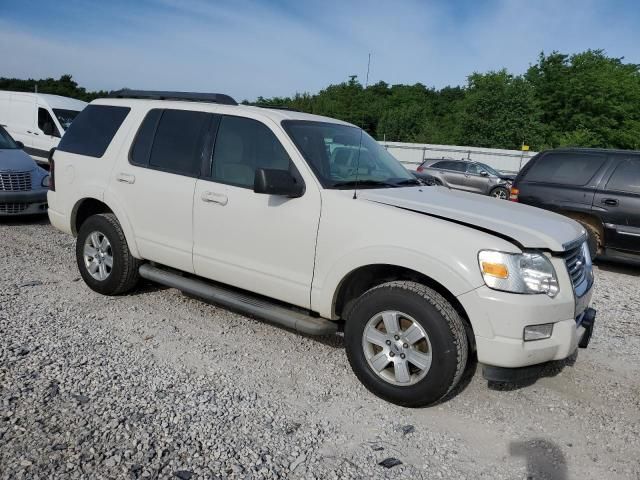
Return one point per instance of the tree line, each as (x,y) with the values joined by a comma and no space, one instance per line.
(586,99)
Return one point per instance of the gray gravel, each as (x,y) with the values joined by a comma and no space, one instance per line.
(159,385)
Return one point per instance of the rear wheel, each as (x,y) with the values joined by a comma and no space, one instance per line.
(103,256)
(406,343)
(500,192)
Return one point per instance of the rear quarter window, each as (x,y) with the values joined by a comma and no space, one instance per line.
(93,129)
(564,168)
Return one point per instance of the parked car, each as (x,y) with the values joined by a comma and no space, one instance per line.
(37,120)
(23,184)
(466,175)
(245,206)
(597,187)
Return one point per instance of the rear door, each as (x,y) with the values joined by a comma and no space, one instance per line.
(453,173)
(157,183)
(618,203)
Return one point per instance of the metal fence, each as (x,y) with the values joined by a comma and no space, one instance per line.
(413,154)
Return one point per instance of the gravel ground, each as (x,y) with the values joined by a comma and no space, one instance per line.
(159,385)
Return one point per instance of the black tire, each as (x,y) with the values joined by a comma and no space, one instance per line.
(123,275)
(442,324)
(594,239)
(500,192)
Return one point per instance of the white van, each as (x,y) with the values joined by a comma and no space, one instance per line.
(38,120)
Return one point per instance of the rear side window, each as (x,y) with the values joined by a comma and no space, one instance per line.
(626,177)
(565,168)
(93,129)
(178,145)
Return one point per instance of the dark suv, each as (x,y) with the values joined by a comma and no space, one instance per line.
(597,187)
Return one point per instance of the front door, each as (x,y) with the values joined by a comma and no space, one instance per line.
(262,243)
(619,206)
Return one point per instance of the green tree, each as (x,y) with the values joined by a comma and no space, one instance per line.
(499,110)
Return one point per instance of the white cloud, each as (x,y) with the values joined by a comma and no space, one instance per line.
(249,49)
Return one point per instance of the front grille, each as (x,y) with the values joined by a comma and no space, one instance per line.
(15,181)
(12,208)
(576,265)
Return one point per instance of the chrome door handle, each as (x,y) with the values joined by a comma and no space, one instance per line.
(125,178)
(212,197)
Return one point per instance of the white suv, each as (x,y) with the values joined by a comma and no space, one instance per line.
(309,223)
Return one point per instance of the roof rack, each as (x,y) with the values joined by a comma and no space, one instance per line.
(277,107)
(186,96)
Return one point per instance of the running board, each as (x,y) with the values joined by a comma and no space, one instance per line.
(241,302)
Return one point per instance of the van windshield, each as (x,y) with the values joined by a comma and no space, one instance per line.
(342,155)
(65,117)
(6,142)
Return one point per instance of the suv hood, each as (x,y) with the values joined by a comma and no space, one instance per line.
(526,226)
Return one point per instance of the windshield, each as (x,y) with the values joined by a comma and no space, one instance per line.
(6,142)
(65,117)
(340,155)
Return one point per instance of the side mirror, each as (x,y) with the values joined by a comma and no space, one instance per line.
(484,173)
(277,182)
(20,145)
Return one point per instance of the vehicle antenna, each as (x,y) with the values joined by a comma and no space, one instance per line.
(366,84)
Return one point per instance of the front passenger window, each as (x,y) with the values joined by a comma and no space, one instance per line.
(242,146)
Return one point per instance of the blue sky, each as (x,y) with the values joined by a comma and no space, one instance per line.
(258,47)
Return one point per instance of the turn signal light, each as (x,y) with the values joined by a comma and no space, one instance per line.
(497,270)
(514,194)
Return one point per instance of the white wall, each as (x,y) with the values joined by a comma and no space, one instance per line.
(413,154)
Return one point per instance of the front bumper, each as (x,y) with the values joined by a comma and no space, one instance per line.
(499,318)
(23,203)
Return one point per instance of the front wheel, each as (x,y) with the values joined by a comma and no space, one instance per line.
(104,260)
(406,343)
(500,193)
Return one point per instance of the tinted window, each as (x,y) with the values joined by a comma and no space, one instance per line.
(449,165)
(626,177)
(93,129)
(6,142)
(141,148)
(565,168)
(242,145)
(179,142)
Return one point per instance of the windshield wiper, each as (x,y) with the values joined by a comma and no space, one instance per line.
(363,183)
(408,181)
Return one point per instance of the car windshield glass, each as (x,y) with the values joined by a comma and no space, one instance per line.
(341,155)
(65,117)
(489,170)
(6,142)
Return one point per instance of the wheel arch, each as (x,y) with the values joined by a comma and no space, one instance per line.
(365,277)
(88,206)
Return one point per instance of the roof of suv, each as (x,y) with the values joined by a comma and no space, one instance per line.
(273,114)
(589,150)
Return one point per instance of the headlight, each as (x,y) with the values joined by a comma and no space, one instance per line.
(46,181)
(518,272)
